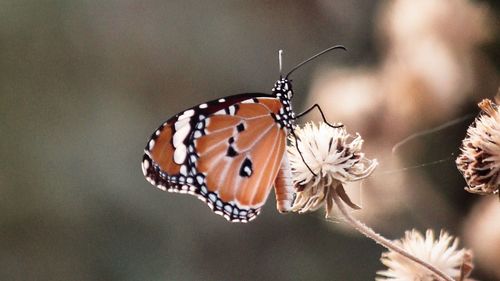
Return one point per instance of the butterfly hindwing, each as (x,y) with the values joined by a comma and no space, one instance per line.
(227,152)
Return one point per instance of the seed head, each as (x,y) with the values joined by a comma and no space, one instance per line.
(443,253)
(334,156)
(479,161)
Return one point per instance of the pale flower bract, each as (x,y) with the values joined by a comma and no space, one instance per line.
(334,156)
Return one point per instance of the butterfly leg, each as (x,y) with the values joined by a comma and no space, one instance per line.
(301,156)
(322,115)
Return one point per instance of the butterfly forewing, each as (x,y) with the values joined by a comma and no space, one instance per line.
(227,152)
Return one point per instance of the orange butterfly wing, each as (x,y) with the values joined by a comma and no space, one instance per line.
(227,153)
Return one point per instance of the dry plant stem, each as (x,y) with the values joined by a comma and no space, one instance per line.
(368,232)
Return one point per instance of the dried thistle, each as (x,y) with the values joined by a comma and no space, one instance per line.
(334,156)
(443,253)
(479,161)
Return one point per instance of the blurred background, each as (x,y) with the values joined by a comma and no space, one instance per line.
(83,84)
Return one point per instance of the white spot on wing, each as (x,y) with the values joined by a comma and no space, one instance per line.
(203,105)
(199,179)
(247,170)
(186,114)
(180,136)
(192,158)
(181,123)
(183,170)
(145,166)
(212,197)
(145,163)
(222,100)
(197,134)
(200,125)
(180,154)
(151,144)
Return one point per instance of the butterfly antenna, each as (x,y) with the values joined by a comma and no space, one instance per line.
(315,56)
(280,57)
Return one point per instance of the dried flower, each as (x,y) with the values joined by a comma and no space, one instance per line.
(334,156)
(479,161)
(442,253)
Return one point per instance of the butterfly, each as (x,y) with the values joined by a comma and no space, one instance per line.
(229,152)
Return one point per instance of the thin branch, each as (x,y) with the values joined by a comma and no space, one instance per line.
(370,233)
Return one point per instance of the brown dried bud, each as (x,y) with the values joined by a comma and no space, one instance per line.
(479,160)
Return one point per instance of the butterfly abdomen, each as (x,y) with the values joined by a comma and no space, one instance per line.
(283,187)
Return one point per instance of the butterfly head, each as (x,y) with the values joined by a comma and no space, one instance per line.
(283,89)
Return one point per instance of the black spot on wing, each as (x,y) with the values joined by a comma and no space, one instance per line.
(231,152)
(240,127)
(246,168)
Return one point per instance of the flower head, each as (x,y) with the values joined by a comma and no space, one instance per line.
(479,160)
(334,156)
(442,253)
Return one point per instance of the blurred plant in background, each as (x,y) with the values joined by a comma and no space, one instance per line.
(482,234)
(431,65)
